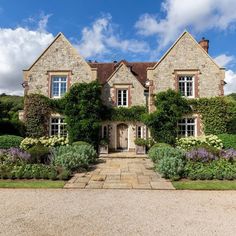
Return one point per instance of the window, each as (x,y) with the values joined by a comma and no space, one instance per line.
(186,86)
(139,132)
(59,86)
(186,127)
(105,132)
(58,126)
(122,97)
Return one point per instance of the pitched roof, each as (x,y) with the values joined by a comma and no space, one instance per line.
(105,70)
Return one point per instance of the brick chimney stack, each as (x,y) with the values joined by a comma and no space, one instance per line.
(205,44)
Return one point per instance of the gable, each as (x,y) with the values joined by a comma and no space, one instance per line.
(187,49)
(59,55)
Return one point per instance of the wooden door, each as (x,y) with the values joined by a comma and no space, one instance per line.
(122,136)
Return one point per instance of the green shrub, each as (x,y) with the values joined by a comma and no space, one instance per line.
(161,145)
(74,157)
(140,142)
(228,140)
(217,169)
(8,141)
(78,143)
(64,175)
(12,128)
(172,166)
(28,171)
(157,153)
(190,142)
(39,153)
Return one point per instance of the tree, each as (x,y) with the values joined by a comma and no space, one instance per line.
(170,107)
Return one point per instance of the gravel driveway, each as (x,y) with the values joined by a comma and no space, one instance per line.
(117,212)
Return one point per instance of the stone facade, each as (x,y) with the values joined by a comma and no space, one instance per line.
(185,57)
(123,78)
(59,58)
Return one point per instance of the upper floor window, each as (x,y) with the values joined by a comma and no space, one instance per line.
(59,86)
(186,127)
(186,85)
(122,97)
(58,126)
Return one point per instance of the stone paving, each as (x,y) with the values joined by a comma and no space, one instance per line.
(120,173)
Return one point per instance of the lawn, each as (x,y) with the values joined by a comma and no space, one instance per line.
(205,185)
(31,184)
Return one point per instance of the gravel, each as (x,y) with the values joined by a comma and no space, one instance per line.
(116,212)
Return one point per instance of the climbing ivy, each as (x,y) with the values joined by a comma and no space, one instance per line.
(37,113)
(215,113)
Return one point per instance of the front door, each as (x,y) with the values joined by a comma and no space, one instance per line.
(122,136)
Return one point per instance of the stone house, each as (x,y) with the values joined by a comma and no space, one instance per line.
(185,67)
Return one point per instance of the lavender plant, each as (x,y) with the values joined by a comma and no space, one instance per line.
(228,154)
(14,155)
(200,155)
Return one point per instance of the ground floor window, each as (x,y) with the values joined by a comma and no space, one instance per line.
(186,127)
(139,131)
(58,126)
(105,131)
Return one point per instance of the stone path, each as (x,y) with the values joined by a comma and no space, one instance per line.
(118,173)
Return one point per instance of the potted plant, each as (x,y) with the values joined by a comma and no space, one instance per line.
(140,145)
(103,146)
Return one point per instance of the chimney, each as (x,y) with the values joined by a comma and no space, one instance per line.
(205,44)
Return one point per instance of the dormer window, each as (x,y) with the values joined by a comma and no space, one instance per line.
(122,97)
(59,86)
(186,86)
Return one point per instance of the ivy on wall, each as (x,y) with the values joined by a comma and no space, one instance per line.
(37,114)
(214,112)
(134,113)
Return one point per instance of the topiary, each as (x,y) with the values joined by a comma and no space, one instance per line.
(8,141)
(39,153)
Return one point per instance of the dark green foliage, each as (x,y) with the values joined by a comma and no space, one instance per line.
(214,112)
(8,141)
(133,113)
(9,106)
(12,127)
(170,107)
(83,107)
(229,140)
(140,142)
(39,154)
(37,113)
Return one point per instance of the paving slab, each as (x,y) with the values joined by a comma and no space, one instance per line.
(120,173)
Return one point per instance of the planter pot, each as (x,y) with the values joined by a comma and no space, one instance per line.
(140,149)
(103,149)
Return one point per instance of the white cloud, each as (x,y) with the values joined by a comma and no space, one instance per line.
(100,39)
(230,79)
(223,60)
(200,15)
(19,47)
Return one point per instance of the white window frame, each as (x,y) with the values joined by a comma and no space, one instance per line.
(122,97)
(185,81)
(186,124)
(59,84)
(137,131)
(59,123)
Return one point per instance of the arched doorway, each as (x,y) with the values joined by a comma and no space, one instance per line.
(122,137)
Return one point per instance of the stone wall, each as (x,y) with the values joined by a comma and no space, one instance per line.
(188,57)
(60,58)
(123,78)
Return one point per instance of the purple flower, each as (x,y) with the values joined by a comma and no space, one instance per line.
(201,155)
(16,154)
(228,154)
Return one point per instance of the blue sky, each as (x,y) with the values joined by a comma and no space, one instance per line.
(106,30)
